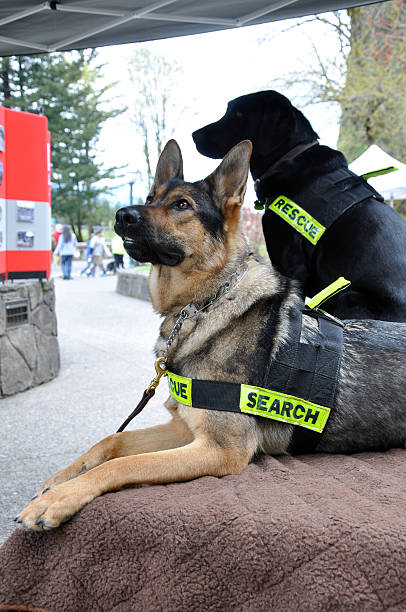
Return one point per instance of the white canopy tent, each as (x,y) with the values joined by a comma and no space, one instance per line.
(392,186)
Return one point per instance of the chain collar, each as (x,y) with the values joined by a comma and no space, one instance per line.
(191,310)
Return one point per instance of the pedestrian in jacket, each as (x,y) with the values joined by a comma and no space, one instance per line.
(97,249)
(89,259)
(117,248)
(66,248)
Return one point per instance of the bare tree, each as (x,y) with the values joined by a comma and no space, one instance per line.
(367,77)
(153,109)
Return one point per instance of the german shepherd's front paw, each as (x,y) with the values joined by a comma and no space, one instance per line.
(60,477)
(54,507)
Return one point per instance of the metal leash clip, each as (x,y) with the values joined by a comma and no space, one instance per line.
(160,369)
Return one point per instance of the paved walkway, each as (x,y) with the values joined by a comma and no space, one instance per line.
(106,343)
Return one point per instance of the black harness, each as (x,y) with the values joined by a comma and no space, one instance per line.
(326,198)
(331,195)
(301,373)
(300,380)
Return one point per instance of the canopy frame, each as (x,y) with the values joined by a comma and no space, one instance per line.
(98,22)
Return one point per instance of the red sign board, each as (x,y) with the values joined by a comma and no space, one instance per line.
(25,195)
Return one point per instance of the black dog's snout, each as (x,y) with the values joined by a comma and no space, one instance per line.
(209,143)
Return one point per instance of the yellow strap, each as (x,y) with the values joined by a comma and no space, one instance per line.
(180,387)
(328,292)
(283,407)
(379,172)
(257,401)
(298,218)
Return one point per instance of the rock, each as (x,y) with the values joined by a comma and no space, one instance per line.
(15,374)
(23,340)
(133,284)
(35,294)
(48,288)
(42,317)
(54,356)
(42,371)
(29,352)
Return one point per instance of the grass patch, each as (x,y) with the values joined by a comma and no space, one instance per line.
(145,268)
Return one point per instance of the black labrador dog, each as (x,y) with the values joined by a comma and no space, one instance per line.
(321,220)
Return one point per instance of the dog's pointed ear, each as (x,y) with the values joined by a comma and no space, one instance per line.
(170,164)
(229,181)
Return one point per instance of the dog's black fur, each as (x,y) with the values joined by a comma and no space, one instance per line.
(111,267)
(366,244)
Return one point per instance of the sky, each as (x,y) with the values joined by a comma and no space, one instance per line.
(216,67)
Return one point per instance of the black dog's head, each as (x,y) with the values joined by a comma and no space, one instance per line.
(182,224)
(267,119)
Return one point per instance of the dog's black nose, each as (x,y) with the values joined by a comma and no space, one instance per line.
(127,219)
(128,216)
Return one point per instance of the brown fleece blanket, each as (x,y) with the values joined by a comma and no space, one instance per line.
(314,533)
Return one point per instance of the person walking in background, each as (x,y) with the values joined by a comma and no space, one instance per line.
(66,248)
(117,248)
(97,248)
(89,259)
(56,235)
(54,242)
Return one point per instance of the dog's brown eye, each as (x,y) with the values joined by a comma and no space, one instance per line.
(182,204)
(149,199)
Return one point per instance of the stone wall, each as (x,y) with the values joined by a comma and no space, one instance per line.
(29,352)
(133,282)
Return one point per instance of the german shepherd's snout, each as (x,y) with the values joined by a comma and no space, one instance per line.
(126,218)
(143,237)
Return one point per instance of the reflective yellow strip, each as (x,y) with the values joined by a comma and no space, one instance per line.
(326,293)
(180,388)
(298,218)
(262,402)
(380,172)
(282,407)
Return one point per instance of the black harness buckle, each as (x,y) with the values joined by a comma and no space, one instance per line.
(318,312)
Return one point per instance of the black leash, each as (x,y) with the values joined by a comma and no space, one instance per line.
(141,405)
(160,368)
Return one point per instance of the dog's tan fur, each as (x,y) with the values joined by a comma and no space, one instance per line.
(230,341)
(194,442)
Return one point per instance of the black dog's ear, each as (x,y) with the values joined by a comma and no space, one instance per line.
(281,126)
(170,164)
(229,181)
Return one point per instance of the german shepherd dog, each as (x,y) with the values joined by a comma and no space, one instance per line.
(366,244)
(190,233)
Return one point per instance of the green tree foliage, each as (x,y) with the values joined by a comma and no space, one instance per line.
(63,86)
(152,107)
